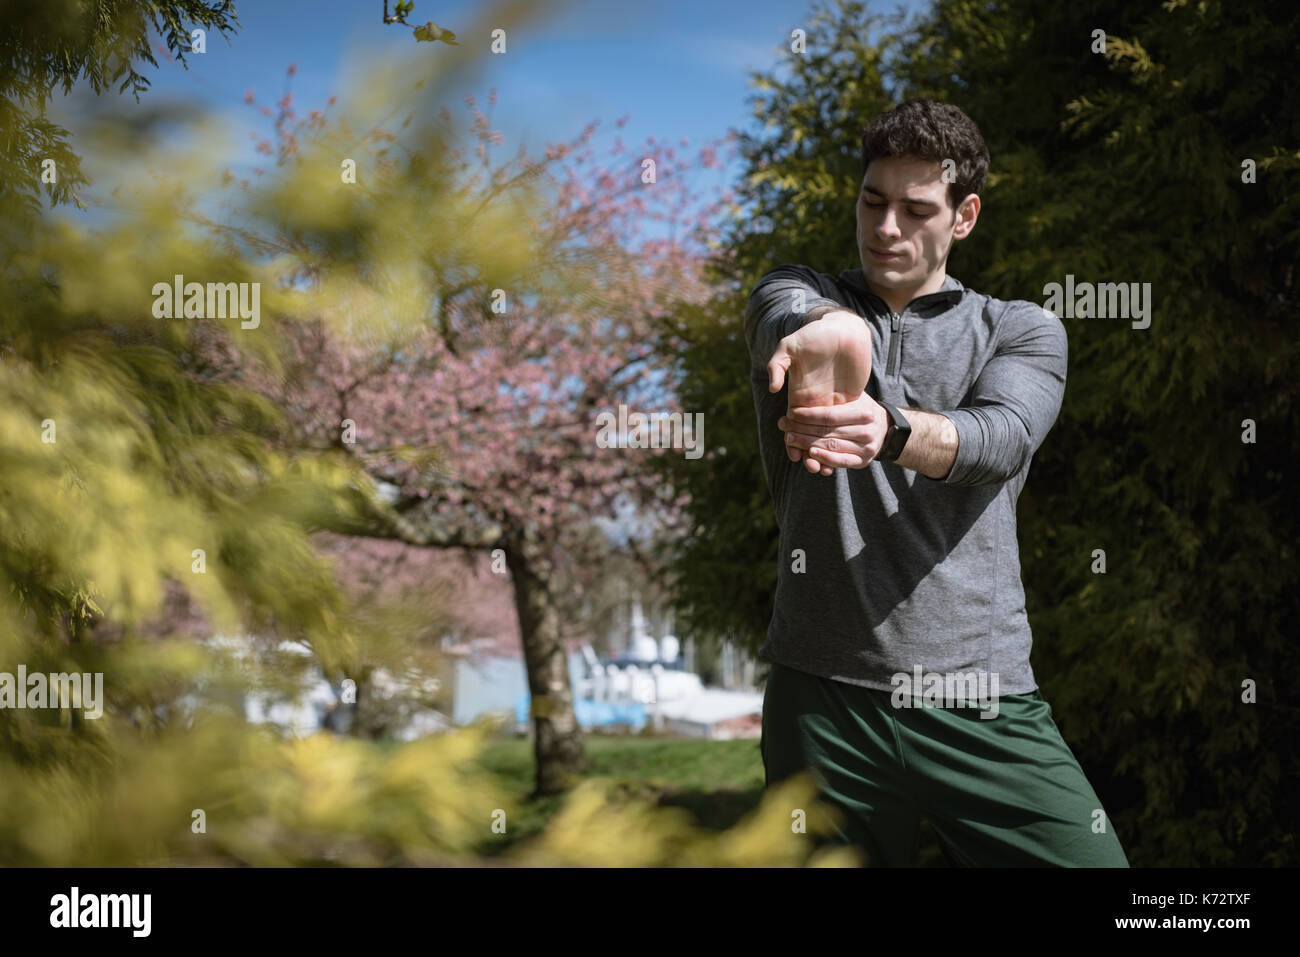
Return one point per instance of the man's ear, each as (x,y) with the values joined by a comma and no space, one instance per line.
(965,217)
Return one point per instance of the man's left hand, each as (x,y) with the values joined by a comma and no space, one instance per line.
(836,436)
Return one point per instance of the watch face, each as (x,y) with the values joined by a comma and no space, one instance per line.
(896,436)
(902,426)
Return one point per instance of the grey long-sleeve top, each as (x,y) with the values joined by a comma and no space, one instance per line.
(883,569)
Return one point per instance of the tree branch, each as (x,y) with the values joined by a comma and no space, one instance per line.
(378,514)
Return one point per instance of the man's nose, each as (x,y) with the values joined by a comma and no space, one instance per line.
(888,225)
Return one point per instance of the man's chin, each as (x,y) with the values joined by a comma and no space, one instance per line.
(886,276)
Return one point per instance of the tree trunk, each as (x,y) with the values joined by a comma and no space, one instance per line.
(557,738)
(557,743)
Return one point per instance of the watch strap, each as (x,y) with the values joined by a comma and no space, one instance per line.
(895,437)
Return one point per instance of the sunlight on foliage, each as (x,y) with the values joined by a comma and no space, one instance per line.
(141,452)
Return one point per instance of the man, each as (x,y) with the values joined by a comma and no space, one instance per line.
(899,639)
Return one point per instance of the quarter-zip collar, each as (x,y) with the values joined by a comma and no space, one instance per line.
(946,296)
(950,292)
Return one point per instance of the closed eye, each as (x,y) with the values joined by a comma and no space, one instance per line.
(910,212)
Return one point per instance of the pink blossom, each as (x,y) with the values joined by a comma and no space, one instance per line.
(512,411)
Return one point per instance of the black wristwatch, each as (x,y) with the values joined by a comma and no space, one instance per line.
(900,430)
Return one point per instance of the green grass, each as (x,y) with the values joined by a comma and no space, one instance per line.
(682,762)
(718,782)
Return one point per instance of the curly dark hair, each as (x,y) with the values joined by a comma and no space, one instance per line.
(933,131)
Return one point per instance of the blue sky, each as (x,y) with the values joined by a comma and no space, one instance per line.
(677,67)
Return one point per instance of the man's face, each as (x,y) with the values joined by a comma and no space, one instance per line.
(906,223)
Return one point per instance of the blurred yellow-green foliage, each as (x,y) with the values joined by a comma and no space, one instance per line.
(137,451)
(222,793)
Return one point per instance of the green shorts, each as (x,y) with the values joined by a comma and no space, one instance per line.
(998,792)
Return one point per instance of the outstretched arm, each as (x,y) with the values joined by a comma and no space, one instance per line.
(1013,404)
(827,363)
(851,435)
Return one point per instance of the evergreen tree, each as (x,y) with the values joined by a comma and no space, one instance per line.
(1169,157)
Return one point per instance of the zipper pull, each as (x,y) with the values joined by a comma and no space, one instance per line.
(891,365)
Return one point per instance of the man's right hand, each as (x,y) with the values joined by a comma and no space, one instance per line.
(827,361)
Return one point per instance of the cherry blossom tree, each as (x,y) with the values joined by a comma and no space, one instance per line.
(545,299)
